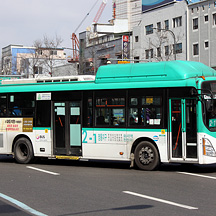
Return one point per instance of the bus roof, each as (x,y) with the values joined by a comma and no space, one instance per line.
(142,75)
(154,71)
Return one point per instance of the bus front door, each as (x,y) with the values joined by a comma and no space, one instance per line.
(183,130)
(67,128)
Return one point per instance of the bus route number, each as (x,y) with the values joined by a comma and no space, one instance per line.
(86,138)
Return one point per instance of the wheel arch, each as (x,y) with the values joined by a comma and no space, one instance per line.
(18,137)
(137,141)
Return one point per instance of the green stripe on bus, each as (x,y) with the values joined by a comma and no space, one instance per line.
(41,128)
(124,129)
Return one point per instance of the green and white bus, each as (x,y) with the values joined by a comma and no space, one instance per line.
(146,114)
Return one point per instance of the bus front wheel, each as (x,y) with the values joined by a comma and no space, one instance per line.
(146,156)
(23,151)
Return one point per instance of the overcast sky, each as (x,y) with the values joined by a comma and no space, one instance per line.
(24,21)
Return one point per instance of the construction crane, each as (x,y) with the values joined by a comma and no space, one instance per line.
(75,40)
(75,48)
(100,11)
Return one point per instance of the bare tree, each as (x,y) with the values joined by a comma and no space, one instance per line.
(162,44)
(42,56)
(35,62)
(50,47)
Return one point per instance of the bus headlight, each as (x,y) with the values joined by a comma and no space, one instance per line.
(208,149)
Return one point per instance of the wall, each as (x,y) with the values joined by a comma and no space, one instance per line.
(152,41)
(206,32)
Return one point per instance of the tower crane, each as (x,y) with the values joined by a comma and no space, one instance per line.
(75,40)
(100,11)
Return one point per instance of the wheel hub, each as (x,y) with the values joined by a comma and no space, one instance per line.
(146,155)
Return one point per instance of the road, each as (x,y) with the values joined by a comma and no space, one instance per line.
(63,188)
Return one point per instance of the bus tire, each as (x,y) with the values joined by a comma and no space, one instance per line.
(23,151)
(146,156)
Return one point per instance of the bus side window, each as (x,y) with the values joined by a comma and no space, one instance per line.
(21,104)
(102,117)
(88,118)
(16,111)
(3,105)
(43,116)
(145,111)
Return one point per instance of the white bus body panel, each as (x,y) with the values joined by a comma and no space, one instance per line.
(116,145)
(203,159)
(40,139)
(3,143)
(42,143)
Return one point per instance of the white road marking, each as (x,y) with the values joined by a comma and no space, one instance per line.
(41,170)
(22,205)
(160,200)
(198,175)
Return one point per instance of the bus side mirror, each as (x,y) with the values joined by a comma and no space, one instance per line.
(209,105)
(193,92)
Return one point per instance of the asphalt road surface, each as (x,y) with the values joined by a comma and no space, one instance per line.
(63,188)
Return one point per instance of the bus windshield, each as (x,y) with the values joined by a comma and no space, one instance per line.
(209,104)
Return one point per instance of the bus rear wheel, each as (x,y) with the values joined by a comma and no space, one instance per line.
(146,156)
(23,151)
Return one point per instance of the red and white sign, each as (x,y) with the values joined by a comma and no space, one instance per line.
(125,38)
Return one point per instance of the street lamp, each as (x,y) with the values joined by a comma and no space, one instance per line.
(174,38)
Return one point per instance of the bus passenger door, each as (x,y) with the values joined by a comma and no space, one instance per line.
(67,128)
(75,124)
(183,130)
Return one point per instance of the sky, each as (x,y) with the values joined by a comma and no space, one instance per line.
(24,21)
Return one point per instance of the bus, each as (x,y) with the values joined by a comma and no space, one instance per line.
(144,113)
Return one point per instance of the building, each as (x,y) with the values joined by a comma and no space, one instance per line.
(158,31)
(31,61)
(202,32)
(103,45)
(128,9)
(109,43)
(161,34)
(68,69)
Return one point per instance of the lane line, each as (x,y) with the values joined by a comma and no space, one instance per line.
(161,200)
(41,170)
(198,175)
(22,205)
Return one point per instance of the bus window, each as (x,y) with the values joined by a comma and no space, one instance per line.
(87,119)
(3,105)
(134,101)
(21,104)
(118,117)
(145,111)
(43,118)
(133,116)
(88,109)
(102,117)
(110,111)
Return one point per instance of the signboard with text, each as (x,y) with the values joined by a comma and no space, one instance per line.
(126,47)
(16,124)
(150,4)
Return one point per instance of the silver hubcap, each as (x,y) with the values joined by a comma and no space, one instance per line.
(146,155)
